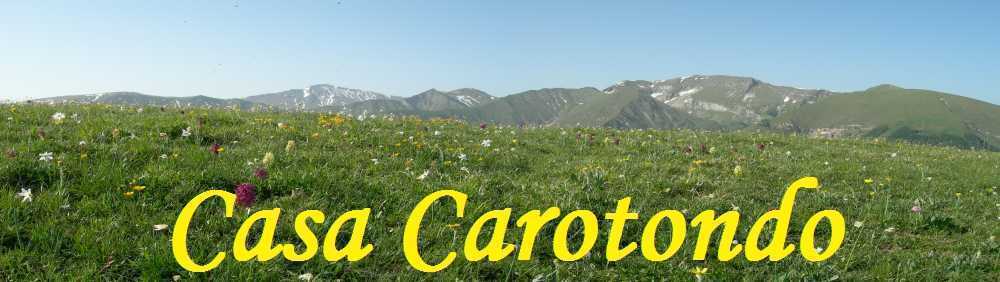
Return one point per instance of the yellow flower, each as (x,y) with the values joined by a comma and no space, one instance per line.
(129,194)
(869,181)
(699,271)
(699,162)
(959,194)
(453,226)
(268,158)
(738,170)
(290,146)
(138,188)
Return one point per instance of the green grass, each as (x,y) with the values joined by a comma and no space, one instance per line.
(81,226)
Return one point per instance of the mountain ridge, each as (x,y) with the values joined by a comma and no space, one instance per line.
(704,102)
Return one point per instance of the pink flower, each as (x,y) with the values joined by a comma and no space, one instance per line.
(916,209)
(245,194)
(482,126)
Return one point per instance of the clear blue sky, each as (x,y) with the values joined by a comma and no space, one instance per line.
(238,48)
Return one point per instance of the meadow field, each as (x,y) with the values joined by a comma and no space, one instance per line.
(92,192)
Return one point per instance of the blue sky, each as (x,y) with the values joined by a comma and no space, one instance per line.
(239,48)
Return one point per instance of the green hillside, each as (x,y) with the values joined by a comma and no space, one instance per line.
(909,114)
(93,193)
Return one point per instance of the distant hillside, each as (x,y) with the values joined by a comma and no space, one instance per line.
(430,100)
(888,111)
(731,101)
(707,102)
(133,98)
(315,97)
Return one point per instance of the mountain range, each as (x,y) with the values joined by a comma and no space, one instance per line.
(708,102)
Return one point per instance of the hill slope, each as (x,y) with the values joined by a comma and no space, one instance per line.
(139,99)
(316,96)
(897,113)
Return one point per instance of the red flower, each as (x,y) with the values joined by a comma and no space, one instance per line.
(245,194)
(215,149)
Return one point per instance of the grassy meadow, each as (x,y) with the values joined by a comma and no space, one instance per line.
(101,177)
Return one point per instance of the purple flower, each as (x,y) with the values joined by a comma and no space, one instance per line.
(760,146)
(260,173)
(245,194)
(482,126)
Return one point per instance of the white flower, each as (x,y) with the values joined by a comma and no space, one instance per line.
(58,117)
(859,224)
(374,161)
(465,169)
(306,277)
(83,143)
(25,195)
(487,143)
(424,175)
(788,153)
(186,132)
(436,133)
(890,229)
(163,156)
(463,157)
(819,249)
(139,110)
(893,155)
(159,227)
(45,157)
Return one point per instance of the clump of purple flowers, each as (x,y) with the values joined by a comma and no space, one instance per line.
(245,194)
(260,173)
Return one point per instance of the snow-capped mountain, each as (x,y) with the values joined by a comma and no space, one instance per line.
(316,96)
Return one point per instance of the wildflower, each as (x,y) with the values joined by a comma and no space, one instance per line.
(290,146)
(760,146)
(128,194)
(245,194)
(893,155)
(83,143)
(282,125)
(306,277)
(375,161)
(437,133)
(859,224)
(45,157)
(186,132)
(58,117)
(463,157)
(699,272)
(916,209)
(25,195)
(163,135)
(160,227)
(163,156)
(482,126)
(424,175)
(869,181)
(137,187)
(260,173)
(268,158)
(216,149)
(890,229)
(465,169)
(486,143)
(738,170)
